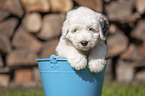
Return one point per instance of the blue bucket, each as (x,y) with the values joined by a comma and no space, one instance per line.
(60,79)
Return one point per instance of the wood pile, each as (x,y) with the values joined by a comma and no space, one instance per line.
(30,29)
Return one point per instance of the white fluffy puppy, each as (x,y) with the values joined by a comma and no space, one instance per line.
(84,36)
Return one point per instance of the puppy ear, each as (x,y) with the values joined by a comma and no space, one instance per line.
(104,27)
(65,29)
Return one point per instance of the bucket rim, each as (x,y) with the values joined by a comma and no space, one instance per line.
(48,59)
(53,57)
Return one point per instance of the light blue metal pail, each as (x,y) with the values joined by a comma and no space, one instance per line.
(60,79)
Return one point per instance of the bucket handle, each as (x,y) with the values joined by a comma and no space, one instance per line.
(53,61)
(53,58)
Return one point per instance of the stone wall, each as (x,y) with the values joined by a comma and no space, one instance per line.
(30,29)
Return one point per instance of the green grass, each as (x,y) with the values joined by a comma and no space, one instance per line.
(109,89)
(119,89)
(22,92)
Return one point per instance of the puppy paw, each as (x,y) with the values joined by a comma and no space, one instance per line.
(96,66)
(78,62)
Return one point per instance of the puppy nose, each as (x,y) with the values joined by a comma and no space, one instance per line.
(84,43)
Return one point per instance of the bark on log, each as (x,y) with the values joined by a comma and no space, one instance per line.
(3,15)
(119,10)
(21,58)
(13,6)
(139,31)
(5,45)
(4,80)
(32,22)
(96,5)
(117,43)
(51,26)
(36,5)
(132,53)
(1,61)
(140,6)
(23,76)
(61,5)
(48,49)
(7,27)
(24,40)
(125,71)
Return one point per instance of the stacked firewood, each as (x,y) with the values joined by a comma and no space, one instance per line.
(30,29)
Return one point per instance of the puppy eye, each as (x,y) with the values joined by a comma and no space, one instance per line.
(91,29)
(75,30)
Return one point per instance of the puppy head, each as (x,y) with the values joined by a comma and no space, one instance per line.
(84,27)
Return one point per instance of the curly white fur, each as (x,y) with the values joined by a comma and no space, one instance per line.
(83,37)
